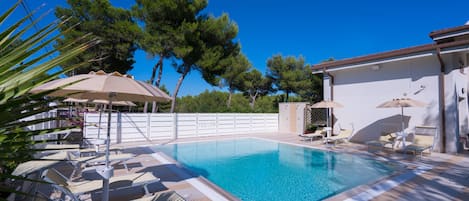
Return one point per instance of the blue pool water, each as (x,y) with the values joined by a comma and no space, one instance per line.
(254,169)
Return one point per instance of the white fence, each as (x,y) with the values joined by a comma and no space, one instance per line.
(128,127)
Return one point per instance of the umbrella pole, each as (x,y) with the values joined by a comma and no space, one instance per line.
(402,119)
(99,125)
(107,169)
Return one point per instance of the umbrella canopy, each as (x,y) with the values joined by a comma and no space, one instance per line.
(99,85)
(327,104)
(120,103)
(111,87)
(402,102)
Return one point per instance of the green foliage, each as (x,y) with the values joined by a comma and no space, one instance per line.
(232,77)
(23,65)
(208,45)
(209,102)
(291,75)
(113,26)
(164,24)
(310,128)
(255,85)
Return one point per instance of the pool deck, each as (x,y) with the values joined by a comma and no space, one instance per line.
(433,177)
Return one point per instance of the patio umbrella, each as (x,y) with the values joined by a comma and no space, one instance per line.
(111,87)
(401,103)
(102,103)
(329,105)
(120,103)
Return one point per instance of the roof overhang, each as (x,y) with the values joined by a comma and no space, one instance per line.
(391,56)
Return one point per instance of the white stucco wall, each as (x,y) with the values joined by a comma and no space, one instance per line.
(361,90)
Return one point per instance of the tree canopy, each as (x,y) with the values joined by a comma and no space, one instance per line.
(209,42)
(113,26)
(291,75)
(232,78)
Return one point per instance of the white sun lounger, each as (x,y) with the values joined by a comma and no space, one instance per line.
(77,161)
(162,196)
(344,134)
(75,189)
(319,133)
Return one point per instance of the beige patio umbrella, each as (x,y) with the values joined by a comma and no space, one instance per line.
(402,103)
(329,105)
(111,87)
(120,103)
(102,103)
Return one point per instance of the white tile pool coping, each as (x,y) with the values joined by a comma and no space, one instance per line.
(203,188)
(372,191)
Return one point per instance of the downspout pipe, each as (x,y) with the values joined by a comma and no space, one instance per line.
(441,81)
(331,85)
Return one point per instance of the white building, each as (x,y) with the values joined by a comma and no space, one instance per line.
(435,73)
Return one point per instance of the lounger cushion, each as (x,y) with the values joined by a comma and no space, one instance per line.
(82,187)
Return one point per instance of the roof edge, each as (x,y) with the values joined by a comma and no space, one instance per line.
(388,54)
(437,33)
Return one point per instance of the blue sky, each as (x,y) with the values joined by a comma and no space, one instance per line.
(317,30)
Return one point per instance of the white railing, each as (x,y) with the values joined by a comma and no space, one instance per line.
(128,127)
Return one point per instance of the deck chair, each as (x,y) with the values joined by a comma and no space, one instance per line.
(163,196)
(75,189)
(384,139)
(78,161)
(423,140)
(319,133)
(54,148)
(344,135)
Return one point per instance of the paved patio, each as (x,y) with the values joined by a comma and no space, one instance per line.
(434,177)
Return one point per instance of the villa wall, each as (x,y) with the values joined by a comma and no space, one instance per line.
(128,127)
(362,89)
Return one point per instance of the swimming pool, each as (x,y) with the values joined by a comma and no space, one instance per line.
(254,169)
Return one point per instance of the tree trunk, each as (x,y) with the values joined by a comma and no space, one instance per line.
(154,107)
(253,100)
(159,65)
(160,71)
(228,103)
(178,85)
(286,96)
(152,80)
(145,107)
(153,72)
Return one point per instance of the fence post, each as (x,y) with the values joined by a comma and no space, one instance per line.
(149,125)
(197,124)
(250,121)
(119,128)
(175,126)
(235,131)
(216,124)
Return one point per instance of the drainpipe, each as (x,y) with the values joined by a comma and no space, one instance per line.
(441,79)
(331,81)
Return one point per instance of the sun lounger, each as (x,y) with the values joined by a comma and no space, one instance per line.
(319,133)
(53,148)
(75,189)
(163,196)
(33,166)
(78,161)
(384,139)
(421,143)
(344,134)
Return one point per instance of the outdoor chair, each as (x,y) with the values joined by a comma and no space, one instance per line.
(163,196)
(319,133)
(421,143)
(78,161)
(75,189)
(344,135)
(384,139)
